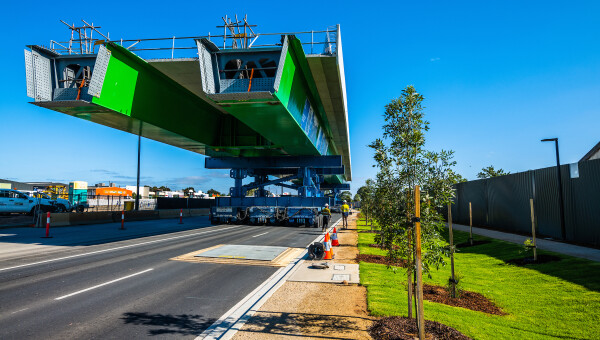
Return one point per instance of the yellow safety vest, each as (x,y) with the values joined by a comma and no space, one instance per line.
(345,208)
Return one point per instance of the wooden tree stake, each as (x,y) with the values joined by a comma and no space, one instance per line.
(420,315)
(533,229)
(470,224)
(453,282)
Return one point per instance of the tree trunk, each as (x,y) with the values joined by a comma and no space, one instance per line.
(409,284)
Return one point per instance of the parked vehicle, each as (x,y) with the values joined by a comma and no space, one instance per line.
(53,205)
(13,201)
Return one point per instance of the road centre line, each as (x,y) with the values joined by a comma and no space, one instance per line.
(103,284)
(260,234)
(116,248)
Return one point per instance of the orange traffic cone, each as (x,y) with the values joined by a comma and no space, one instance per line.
(328,251)
(334,238)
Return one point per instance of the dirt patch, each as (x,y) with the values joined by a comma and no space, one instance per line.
(529,260)
(380,260)
(470,300)
(311,311)
(475,243)
(402,328)
(347,251)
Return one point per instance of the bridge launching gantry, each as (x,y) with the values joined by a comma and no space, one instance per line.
(256,104)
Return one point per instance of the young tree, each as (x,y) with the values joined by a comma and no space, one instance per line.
(491,172)
(404,163)
(366,193)
(189,191)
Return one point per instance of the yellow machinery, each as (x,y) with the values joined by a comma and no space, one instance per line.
(57,191)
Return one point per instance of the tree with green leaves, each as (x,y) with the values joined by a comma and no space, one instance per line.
(346,196)
(491,172)
(366,193)
(161,188)
(189,191)
(403,163)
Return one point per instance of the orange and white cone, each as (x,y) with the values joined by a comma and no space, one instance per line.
(334,238)
(328,251)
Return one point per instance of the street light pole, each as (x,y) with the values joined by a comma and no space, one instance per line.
(560,191)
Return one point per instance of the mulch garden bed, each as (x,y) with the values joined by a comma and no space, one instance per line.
(380,260)
(403,328)
(475,243)
(542,258)
(470,300)
(373,245)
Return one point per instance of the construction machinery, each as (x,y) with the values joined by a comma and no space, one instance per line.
(270,107)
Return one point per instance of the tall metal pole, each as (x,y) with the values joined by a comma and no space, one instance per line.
(137,192)
(560,191)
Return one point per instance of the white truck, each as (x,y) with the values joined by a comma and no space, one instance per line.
(49,204)
(14,201)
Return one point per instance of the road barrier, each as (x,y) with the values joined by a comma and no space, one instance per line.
(123,220)
(180,216)
(47,226)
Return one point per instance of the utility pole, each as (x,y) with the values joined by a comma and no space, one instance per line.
(137,192)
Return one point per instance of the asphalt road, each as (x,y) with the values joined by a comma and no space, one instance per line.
(130,289)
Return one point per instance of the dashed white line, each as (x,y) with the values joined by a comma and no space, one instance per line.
(260,234)
(103,284)
(112,249)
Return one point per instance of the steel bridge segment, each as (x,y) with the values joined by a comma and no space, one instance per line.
(136,98)
(285,162)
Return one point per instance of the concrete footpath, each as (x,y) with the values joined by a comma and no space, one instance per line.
(22,242)
(557,247)
(316,306)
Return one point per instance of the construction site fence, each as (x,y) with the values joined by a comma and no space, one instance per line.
(183,203)
(503,203)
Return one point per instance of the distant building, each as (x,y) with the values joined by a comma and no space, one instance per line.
(113,191)
(7,184)
(144,190)
(594,153)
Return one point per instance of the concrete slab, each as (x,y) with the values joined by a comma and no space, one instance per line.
(336,273)
(235,251)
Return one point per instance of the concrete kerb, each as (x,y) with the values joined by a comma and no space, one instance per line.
(235,318)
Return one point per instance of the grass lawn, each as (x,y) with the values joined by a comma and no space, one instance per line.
(552,300)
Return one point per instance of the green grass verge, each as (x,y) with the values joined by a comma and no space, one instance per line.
(545,301)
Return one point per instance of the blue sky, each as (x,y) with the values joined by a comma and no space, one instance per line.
(497,76)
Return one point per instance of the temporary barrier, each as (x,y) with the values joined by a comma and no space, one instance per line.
(334,238)
(47,226)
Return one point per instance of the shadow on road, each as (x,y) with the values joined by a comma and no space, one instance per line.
(182,324)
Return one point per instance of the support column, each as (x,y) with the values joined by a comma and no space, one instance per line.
(238,175)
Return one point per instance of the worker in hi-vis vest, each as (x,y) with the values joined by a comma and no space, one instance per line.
(345,212)
(326,216)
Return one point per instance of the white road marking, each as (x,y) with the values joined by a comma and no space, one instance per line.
(112,249)
(233,320)
(103,284)
(6,235)
(260,234)
(20,310)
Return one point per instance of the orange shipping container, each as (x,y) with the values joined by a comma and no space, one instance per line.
(113,191)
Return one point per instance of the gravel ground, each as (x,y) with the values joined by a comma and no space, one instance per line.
(315,310)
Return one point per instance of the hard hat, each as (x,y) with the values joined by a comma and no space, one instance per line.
(326,204)
(344,201)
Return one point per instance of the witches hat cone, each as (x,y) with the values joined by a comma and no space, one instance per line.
(334,238)
(328,250)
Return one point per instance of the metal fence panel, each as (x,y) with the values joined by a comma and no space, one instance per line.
(508,202)
(502,203)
